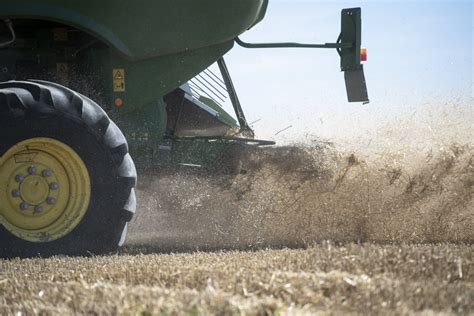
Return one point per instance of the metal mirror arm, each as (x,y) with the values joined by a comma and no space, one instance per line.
(348,46)
(292,45)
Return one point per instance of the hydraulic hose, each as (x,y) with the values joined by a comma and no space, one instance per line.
(9,25)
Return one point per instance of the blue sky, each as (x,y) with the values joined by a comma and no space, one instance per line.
(419,52)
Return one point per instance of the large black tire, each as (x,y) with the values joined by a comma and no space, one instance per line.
(31,109)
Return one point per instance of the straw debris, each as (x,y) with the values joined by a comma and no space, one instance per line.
(325,278)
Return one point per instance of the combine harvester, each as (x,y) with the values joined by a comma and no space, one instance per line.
(70,69)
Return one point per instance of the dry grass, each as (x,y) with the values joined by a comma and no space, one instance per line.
(404,279)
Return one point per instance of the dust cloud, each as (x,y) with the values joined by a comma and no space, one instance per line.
(408,180)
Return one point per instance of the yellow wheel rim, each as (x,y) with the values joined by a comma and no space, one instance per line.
(44,189)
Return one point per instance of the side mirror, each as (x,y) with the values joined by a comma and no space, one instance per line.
(356,87)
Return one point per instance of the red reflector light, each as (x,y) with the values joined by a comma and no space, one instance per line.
(363,54)
(118,102)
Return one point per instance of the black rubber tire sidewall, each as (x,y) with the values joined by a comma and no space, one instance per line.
(101,228)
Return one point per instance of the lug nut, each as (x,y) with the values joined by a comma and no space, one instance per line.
(38,208)
(19,178)
(24,205)
(54,186)
(16,193)
(51,200)
(31,169)
(46,173)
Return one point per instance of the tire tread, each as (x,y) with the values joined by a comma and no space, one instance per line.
(22,97)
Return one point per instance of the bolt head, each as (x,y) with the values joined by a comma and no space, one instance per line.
(46,173)
(16,193)
(19,178)
(51,200)
(24,206)
(54,186)
(32,169)
(39,208)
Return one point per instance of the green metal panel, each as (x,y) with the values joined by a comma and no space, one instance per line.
(144,130)
(142,29)
(159,44)
(142,117)
(148,80)
(224,117)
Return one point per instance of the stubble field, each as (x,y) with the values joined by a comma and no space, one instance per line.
(385,227)
(324,278)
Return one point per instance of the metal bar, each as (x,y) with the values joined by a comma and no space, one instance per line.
(233,96)
(292,45)
(220,83)
(196,95)
(215,76)
(199,92)
(196,86)
(215,89)
(230,138)
(193,85)
(212,92)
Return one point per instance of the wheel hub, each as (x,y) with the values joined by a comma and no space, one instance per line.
(34,190)
(47,189)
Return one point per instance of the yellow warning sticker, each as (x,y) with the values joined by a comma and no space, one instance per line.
(119,79)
